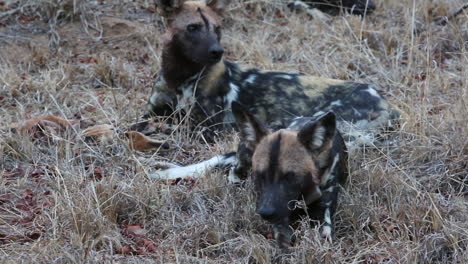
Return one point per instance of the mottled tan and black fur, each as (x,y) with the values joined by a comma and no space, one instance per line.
(304,158)
(194,76)
(306,161)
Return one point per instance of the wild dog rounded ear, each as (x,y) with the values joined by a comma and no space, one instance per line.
(318,135)
(166,8)
(218,5)
(251,129)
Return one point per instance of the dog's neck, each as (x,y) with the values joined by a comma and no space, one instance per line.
(177,69)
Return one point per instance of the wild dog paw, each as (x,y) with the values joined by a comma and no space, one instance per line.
(327,233)
(191,171)
(297,6)
(233,177)
(314,13)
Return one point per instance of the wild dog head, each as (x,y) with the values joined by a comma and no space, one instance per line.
(289,165)
(194,29)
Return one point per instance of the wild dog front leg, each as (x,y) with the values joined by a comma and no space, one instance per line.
(162,100)
(239,171)
(300,6)
(160,103)
(328,207)
(197,170)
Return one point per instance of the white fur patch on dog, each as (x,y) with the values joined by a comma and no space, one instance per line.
(336,103)
(319,113)
(329,172)
(228,99)
(249,131)
(327,218)
(319,136)
(373,92)
(326,229)
(299,5)
(153,98)
(231,95)
(195,170)
(232,177)
(251,78)
(187,99)
(326,232)
(285,76)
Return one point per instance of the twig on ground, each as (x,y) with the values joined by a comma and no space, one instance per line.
(442,21)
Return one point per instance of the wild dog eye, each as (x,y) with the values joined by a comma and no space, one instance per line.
(194,28)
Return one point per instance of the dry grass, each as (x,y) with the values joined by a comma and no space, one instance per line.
(63,199)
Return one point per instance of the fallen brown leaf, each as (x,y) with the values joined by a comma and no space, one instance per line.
(38,125)
(134,231)
(97,174)
(140,142)
(125,250)
(100,133)
(146,246)
(13,173)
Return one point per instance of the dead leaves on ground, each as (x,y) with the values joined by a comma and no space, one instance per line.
(100,133)
(44,125)
(140,142)
(50,125)
(136,140)
(21,215)
(35,173)
(188,182)
(141,245)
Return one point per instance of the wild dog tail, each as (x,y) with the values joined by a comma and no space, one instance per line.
(223,162)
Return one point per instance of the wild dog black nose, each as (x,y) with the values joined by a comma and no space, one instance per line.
(267,213)
(216,52)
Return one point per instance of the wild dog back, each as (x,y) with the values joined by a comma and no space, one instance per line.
(290,165)
(276,97)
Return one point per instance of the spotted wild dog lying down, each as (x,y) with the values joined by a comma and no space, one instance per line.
(305,161)
(195,80)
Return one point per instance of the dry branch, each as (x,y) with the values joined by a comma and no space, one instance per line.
(442,21)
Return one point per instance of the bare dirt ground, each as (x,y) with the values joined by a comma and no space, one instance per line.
(67,200)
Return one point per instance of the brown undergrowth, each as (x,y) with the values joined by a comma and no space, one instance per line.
(65,199)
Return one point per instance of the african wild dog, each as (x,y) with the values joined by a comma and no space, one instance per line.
(195,79)
(304,162)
